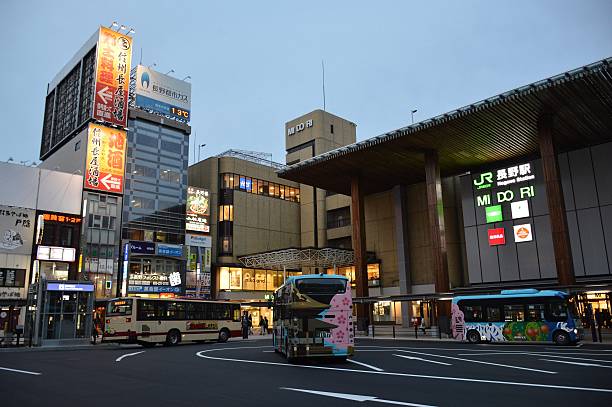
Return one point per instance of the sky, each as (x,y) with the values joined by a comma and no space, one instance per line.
(255,65)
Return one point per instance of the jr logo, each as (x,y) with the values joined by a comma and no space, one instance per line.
(485,180)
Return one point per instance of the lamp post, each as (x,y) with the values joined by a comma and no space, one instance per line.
(199,149)
(412,114)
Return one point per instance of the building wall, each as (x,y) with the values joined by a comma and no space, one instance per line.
(381,235)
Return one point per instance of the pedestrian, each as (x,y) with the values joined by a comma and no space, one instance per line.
(261,325)
(245,325)
(422,326)
(250,324)
(266,325)
(94,330)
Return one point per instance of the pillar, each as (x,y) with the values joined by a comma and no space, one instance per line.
(359,248)
(556,203)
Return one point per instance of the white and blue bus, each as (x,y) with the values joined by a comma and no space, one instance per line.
(516,315)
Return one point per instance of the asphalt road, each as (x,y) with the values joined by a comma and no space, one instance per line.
(251,374)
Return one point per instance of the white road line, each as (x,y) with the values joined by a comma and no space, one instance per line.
(529,353)
(545,354)
(355,397)
(421,359)
(577,363)
(20,371)
(480,362)
(201,354)
(120,358)
(268,351)
(366,365)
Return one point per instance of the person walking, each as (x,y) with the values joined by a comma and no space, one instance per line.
(94,330)
(265,325)
(245,325)
(250,318)
(261,325)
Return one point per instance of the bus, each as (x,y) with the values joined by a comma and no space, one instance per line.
(313,317)
(148,321)
(516,315)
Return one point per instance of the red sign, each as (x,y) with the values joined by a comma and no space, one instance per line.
(104,169)
(496,236)
(114,59)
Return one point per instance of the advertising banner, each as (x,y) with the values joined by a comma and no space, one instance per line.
(163,94)
(114,58)
(198,210)
(16,229)
(142,247)
(169,250)
(104,168)
(197,240)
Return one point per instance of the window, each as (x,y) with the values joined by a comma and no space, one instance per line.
(493,314)
(331,128)
(170,176)
(144,171)
(321,286)
(557,312)
(248,281)
(119,307)
(514,313)
(143,140)
(226,213)
(143,203)
(338,218)
(12,277)
(147,310)
(175,310)
(170,147)
(374,275)
(535,313)
(473,313)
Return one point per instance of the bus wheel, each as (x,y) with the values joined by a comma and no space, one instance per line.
(173,337)
(561,338)
(223,335)
(473,336)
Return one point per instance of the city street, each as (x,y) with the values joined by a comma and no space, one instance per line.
(242,373)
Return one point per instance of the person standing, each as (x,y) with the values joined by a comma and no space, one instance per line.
(261,325)
(250,318)
(245,325)
(265,325)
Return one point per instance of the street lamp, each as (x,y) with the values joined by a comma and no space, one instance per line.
(199,149)
(412,115)
(170,71)
(186,77)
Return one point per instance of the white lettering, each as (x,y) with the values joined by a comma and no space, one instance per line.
(505,196)
(484,200)
(299,127)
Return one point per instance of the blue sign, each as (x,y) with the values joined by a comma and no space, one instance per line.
(153,289)
(169,250)
(248,184)
(142,247)
(126,252)
(163,108)
(70,287)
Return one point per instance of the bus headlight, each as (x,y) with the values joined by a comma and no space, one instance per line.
(575,331)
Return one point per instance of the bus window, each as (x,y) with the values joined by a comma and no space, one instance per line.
(195,310)
(175,310)
(493,314)
(514,313)
(147,310)
(472,313)
(321,286)
(236,312)
(119,307)
(535,312)
(557,312)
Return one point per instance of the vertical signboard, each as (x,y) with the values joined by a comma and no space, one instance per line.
(198,210)
(104,168)
(114,58)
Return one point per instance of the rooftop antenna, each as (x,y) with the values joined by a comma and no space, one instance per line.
(323,70)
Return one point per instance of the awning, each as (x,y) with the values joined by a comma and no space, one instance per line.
(297,258)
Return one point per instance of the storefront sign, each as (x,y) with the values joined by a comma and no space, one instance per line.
(169,250)
(522,233)
(114,58)
(10,277)
(496,236)
(198,240)
(153,289)
(142,247)
(299,127)
(175,279)
(10,293)
(520,209)
(197,210)
(70,287)
(504,176)
(53,253)
(16,230)
(53,217)
(104,168)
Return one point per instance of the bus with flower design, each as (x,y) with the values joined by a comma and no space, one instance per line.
(313,317)
(516,315)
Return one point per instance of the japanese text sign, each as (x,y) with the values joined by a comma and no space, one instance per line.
(114,59)
(104,169)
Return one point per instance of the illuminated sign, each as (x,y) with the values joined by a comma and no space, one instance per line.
(197,210)
(51,217)
(169,250)
(163,94)
(175,279)
(299,127)
(104,170)
(494,213)
(142,247)
(496,236)
(70,287)
(504,176)
(520,209)
(198,240)
(522,233)
(114,58)
(54,253)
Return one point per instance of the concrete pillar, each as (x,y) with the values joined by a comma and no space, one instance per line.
(359,247)
(401,248)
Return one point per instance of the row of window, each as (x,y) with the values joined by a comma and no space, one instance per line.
(150,310)
(150,172)
(373,274)
(260,187)
(552,312)
(237,278)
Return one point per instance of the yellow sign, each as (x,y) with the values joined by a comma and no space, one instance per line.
(104,169)
(114,58)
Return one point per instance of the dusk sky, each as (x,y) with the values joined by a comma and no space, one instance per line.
(256,65)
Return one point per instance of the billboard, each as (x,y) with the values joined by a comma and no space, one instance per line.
(16,229)
(104,168)
(113,62)
(163,94)
(198,210)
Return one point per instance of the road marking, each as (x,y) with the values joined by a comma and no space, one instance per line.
(577,363)
(120,358)
(20,371)
(480,362)
(421,359)
(268,351)
(355,397)
(366,365)
(546,354)
(201,354)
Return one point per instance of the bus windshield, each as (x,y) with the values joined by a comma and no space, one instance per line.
(119,308)
(321,286)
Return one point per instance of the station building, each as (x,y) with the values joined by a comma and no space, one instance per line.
(509,192)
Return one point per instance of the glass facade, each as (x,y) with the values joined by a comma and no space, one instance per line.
(373,274)
(260,187)
(245,279)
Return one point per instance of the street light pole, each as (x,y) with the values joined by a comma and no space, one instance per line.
(412,114)
(199,149)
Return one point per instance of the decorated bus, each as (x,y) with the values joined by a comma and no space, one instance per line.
(516,315)
(148,321)
(313,317)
